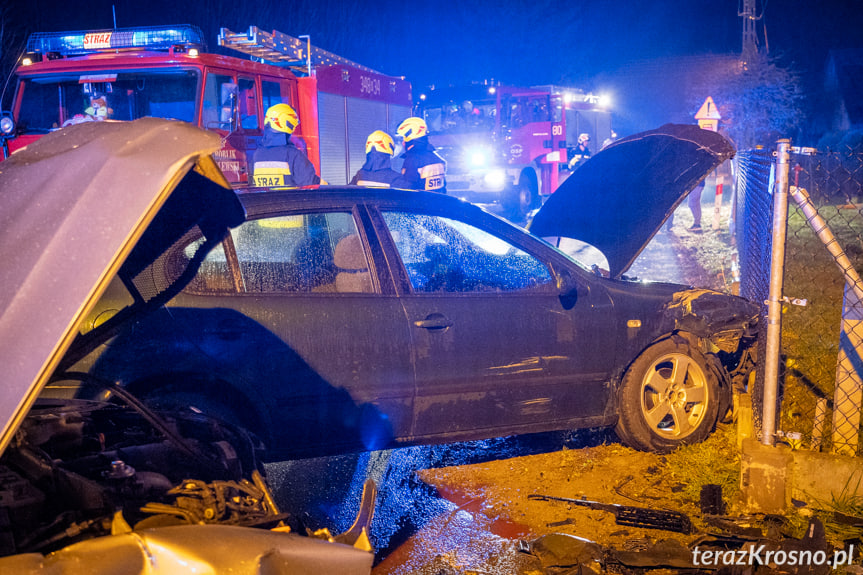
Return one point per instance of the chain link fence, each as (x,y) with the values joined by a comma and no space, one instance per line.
(821,372)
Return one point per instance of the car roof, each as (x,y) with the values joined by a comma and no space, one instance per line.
(264,200)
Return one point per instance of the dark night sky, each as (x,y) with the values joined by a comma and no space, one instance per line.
(595,45)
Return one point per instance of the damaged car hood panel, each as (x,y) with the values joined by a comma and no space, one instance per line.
(619,199)
(65,230)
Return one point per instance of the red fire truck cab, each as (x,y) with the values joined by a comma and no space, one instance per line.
(128,73)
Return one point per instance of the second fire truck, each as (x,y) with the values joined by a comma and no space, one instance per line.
(506,145)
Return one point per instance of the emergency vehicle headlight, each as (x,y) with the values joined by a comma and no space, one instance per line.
(26,61)
(7,125)
(494,179)
(477,157)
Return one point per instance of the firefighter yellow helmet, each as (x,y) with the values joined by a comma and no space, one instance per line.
(412,128)
(282,118)
(380,141)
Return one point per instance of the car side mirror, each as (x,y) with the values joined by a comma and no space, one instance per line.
(567,288)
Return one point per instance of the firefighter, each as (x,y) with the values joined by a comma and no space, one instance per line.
(581,153)
(423,168)
(278,162)
(377,171)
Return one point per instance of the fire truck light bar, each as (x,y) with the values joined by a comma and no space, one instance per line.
(89,41)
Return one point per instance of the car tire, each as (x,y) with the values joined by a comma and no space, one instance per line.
(519,200)
(669,397)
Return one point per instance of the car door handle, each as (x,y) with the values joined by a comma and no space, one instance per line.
(435,321)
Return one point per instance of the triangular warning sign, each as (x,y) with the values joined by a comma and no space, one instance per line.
(708,111)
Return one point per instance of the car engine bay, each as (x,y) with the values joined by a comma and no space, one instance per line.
(78,466)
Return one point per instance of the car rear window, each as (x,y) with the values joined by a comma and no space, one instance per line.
(319,252)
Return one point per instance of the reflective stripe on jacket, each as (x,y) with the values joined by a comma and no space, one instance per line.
(278,162)
(423,168)
(378,173)
(272,173)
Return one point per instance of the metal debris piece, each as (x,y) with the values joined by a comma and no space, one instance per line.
(631,516)
(663,553)
(711,500)
(562,553)
(741,528)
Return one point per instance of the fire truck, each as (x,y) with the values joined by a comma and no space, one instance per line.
(506,145)
(128,73)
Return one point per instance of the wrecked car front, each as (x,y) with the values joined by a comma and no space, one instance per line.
(107,484)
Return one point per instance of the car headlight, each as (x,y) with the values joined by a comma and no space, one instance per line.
(495,179)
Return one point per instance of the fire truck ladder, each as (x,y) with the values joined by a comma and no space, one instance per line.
(279,48)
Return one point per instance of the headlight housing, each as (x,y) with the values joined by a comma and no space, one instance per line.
(478,157)
(7,125)
(494,179)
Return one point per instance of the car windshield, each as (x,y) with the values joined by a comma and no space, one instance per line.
(51,101)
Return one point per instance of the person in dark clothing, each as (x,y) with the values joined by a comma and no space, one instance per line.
(377,171)
(278,162)
(423,168)
(581,153)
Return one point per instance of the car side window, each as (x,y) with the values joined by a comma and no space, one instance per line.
(444,255)
(320,253)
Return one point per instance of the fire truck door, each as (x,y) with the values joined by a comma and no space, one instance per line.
(230,109)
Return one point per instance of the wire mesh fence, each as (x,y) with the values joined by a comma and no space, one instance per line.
(753,217)
(822,321)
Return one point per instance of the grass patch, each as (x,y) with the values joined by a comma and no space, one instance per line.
(715,461)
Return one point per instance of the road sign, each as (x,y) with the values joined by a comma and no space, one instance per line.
(708,115)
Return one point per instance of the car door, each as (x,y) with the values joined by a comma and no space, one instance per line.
(495,349)
(317,334)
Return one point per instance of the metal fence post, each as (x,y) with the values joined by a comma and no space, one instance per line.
(774,298)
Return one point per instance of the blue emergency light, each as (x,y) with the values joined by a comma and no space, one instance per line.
(91,41)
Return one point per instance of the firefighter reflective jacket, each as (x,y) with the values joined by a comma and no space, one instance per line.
(423,168)
(278,162)
(377,172)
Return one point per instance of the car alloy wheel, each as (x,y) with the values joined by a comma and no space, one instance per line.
(669,397)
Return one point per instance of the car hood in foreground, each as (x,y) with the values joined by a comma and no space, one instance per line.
(74,205)
(618,200)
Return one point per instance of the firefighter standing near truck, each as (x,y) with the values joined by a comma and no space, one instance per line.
(580,153)
(423,168)
(278,162)
(377,171)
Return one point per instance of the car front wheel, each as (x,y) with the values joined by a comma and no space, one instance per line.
(669,397)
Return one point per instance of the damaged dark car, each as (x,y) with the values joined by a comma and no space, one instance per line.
(163,328)
(340,319)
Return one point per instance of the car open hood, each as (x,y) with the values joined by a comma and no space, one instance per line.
(74,205)
(619,199)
